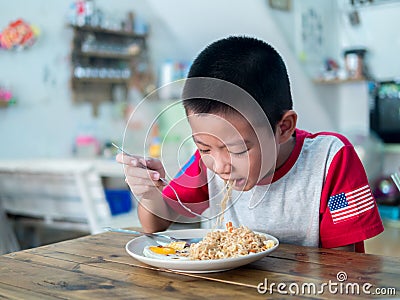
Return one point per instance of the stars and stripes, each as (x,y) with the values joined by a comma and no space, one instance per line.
(345,206)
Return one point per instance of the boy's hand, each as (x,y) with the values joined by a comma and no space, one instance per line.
(142,175)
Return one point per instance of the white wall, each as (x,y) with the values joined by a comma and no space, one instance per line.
(378,31)
(45,121)
(198,23)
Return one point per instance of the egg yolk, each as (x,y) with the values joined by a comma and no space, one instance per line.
(162,250)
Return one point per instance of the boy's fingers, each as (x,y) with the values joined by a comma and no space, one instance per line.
(143,162)
(127,160)
(139,161)
(135,183)
(151,163)
(137,166)
(134,162)
(141,173)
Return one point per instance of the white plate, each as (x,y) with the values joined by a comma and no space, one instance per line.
(135,249)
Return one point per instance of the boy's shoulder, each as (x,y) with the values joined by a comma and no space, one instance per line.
(313,150)
(303,135)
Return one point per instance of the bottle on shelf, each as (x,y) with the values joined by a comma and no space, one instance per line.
(155,142)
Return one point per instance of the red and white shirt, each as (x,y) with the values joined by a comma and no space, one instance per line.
(320,197)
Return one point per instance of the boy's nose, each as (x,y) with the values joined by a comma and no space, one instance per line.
(222,164)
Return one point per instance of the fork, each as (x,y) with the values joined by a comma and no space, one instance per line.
(140,165)
(154,236)
(165,182)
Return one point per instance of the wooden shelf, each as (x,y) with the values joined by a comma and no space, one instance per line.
(109,31)
(101,80)
(107,55)
(339,81)
(104,54)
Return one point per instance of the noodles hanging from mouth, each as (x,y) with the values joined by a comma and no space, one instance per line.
(227,196)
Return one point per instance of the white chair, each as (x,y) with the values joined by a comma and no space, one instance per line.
(68,195)
(8,241)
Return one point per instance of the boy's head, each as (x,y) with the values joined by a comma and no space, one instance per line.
(251,78)
(250,64)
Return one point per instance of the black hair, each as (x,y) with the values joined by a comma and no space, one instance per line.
(249,63)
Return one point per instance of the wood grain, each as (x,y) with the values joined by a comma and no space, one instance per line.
(97,266)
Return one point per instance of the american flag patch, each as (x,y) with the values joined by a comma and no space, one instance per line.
(345,206)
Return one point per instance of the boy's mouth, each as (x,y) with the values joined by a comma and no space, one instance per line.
(240,182)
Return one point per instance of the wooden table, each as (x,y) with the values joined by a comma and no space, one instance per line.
(97,267)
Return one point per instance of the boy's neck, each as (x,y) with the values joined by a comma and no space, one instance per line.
(285,151)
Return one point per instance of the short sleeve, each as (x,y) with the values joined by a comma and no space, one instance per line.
(348,211)
(191,186)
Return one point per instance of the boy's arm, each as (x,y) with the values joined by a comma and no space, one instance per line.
(348,211)
(191,186)
(142,176)
(152,222)
(157,210)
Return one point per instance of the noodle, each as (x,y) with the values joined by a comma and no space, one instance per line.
(234,242)
(227,196)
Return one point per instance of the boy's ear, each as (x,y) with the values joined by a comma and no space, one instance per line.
(286,126)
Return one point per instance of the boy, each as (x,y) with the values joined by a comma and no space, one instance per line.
(306,189)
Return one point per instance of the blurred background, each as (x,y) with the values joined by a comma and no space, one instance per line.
(73,75)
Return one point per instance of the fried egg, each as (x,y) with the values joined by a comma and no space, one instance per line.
(164,253)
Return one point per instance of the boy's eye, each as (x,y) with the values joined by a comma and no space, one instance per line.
(239,153)
(202,151)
